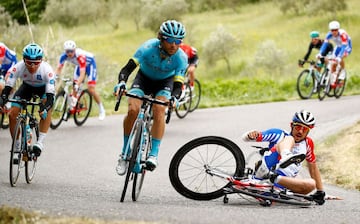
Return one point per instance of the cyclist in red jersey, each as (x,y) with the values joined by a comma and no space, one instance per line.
(284,146)
(193,61)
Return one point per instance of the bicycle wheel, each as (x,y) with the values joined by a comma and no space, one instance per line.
(83,108)
(267,196)
(195,96)
(340,87)
(324,85)
(187,168)
(185,103)
(30,163)
(134,146)
(305,84)
(16,152)
(139,177)
(59,110)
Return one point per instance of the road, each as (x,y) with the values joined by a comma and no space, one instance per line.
(76,172)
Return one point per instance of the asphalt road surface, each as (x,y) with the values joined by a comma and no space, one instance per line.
(76,172)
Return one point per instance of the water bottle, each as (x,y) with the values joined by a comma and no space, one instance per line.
(28,134)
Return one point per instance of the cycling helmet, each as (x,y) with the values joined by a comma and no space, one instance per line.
(33,52)
(304,117)
(172,28)
(69,45)
(314,34)
(334,25)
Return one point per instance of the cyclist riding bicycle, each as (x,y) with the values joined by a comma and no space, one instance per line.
(193,61)
(7,60)
(85,65)
(284,146)
(316,42)
(162,70)
(343,48)
(38,79)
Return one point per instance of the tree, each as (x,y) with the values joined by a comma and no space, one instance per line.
(220,45)
(16,9)
(311,7)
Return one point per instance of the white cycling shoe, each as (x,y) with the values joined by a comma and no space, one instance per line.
(122,166)
(151,163)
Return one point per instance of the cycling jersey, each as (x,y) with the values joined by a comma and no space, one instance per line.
(191,52)
(329,48)
(7,56)
(342,42)
(274,136)
(84,61)
(44,76)
(153,66)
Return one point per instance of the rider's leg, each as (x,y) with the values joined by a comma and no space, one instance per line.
(298,185)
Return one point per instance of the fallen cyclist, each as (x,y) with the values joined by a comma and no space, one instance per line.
(285,147)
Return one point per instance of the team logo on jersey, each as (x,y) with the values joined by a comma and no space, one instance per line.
(38,77)
(14,69)
(52,81)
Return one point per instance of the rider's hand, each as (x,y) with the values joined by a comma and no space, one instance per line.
(120,86)
(319,197)
(43,112)
(338,59)
(175,102)
(318,56)
(301,63)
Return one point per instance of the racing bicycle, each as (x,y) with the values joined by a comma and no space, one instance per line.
(139,143)
(211,167)
(63,109)
(325,88)
(308,80)
(26,134)
(185,102)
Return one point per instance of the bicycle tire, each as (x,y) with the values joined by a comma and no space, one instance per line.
(195,96)
(59,109)
(134,145)
(83,108)
(185,103)
(324,85)
(30,163)
(218,152)
(305,84)
(15,167)
(139,177)
(267,194)
(338,91)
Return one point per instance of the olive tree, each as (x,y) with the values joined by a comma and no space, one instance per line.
(220,46)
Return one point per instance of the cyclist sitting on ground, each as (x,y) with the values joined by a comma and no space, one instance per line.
(162,70)
(7,60)
(316,42)
(193,61)
(343,48)
(284,146)
(38,79)
(85,65)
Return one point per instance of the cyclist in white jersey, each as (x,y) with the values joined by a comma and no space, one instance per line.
(284,146)
(38,79)
(85,66)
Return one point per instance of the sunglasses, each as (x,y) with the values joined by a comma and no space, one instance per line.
(32,63)
(300,127)
(334,30)
(69,51)
(171,40)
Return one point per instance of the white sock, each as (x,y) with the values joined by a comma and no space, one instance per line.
(42,136)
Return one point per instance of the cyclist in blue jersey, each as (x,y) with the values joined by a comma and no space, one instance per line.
(343,48)
(85,66)
(285,146)
(38,79)
(161,73)
(7,59)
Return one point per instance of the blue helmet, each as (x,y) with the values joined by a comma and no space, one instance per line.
(314,34)
(172,28)
(304,117)
(33,52)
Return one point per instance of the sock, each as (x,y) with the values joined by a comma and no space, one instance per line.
(101,107)
(126,139)
(155,147)
(42,136)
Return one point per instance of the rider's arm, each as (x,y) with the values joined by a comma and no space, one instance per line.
(82,68)
(6,92)
(315,174)
(306,57)
(177,89)
(127,70)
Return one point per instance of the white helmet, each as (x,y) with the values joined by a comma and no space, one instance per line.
(69,45)
(334,25)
